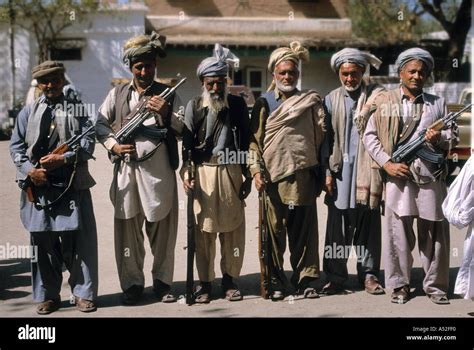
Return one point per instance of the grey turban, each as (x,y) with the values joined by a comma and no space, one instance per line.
(217,65)
(415,54)
(144,46)
(350,55)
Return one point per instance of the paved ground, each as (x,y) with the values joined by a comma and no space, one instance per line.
(15,284)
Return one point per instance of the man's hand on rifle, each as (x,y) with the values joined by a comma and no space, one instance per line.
(160,106)
(52,161)
(329,185)
(122,150)
(260,184)
(246,188)
(188,185)
(399,170)
(433,136)
(38,177)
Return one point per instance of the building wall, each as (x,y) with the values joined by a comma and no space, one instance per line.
(22,67)
(102,55)
(104,33)
(249,8)
(315,75)
(101,61)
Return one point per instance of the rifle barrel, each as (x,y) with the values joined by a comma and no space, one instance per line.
(407,151)
(453,115)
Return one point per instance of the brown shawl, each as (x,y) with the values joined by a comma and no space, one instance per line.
(293,135)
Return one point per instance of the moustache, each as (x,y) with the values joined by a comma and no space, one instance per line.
(214,95)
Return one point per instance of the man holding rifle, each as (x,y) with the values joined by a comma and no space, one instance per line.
(217,137)
(287,129)
(413,189)
(144,190)
(59,213)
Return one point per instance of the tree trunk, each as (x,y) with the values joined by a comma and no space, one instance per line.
(43,54)
(457,31)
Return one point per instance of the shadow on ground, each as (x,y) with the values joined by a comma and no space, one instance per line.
(12,276)
(16,273)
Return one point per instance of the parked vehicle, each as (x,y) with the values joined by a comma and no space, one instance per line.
(460,154)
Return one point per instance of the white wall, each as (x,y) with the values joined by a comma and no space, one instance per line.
(102,55)
(22,63)
(105,34)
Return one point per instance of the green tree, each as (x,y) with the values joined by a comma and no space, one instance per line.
(393,21)
(46,19)
(455,18)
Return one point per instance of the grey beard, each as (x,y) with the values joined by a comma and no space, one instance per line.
(285,88)
(215,102)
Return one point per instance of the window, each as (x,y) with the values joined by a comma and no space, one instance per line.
(255,80)
(65,54)
(67,49)
(238,78)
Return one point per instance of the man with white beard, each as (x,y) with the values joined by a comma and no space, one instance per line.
(287,129)
(353,210)
(217,127)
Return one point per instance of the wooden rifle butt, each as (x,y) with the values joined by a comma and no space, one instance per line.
(261,248)
(29,194)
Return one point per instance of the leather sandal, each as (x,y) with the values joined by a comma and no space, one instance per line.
(48,306)
(332,288)
(277,295)
(304,288)
(232,294)
(231,291)
(85,305)
(440,299)
(162,291)
(310,293)
(372,286)
(401,295)
(202,295)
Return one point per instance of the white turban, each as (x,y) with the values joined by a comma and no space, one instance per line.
(350,55)
(294,53)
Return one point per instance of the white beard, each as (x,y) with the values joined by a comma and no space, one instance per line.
(214,101)
(350,88)
(285,88)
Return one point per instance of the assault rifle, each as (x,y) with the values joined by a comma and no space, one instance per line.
(264,244)
(141,113)
(190,238)
(409,151)
(70,144)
